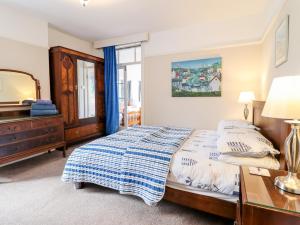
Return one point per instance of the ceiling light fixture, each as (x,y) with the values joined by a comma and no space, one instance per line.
(84,2)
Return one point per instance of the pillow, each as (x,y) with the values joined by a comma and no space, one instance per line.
(233,124)
(246,143)
(268,162)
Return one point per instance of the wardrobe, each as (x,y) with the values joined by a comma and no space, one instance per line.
(77,89)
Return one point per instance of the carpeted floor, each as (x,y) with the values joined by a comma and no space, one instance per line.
(35,195)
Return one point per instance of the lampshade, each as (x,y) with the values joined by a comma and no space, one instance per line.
(246,97)
(283,100)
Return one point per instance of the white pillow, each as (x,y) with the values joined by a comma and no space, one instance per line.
(268,162)
(246,143)
(233,124)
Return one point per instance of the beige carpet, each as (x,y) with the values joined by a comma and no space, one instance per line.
(36,196)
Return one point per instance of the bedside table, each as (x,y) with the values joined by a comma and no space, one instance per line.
(264,204)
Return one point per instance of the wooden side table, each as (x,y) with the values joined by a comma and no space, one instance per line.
(262,203)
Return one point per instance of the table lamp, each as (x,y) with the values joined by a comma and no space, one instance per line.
(246,97)
(283,102)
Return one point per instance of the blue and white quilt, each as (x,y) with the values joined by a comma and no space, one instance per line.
(134,161)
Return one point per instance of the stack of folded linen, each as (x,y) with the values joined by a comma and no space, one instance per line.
(43,108)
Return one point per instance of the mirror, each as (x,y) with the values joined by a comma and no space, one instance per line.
(86,89)
(17,86)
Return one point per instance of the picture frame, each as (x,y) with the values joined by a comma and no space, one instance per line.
(282,42)
(197,78)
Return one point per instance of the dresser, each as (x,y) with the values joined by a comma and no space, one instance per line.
(262,203)
(77,89)
(26,136)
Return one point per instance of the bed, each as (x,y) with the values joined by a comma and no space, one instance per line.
(273,129)
(133,116)
(167,139)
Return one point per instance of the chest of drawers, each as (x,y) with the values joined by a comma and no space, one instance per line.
(24,137)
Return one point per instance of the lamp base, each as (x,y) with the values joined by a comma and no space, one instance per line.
(289,183)
(246,112)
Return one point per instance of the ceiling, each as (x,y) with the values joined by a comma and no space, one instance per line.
(103,19)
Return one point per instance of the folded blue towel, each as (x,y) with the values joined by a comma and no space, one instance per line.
(43,101)
(36,106)
(37,112)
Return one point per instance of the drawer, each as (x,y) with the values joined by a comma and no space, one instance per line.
(14,127)
(27,145)
(80,132)
(16,137)
(46,122)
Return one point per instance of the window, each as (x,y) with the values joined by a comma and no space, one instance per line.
(129,55)
(129,85)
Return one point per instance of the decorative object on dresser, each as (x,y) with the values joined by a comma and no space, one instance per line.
(283,102)
(43,108)
(246,97)
(77,89)
(26,136)
(262,203)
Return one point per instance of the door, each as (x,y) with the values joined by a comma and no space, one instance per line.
(129,85)
(122,95)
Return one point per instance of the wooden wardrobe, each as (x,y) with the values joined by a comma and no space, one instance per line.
(77,89)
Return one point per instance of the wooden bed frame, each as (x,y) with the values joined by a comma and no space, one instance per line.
(273,129)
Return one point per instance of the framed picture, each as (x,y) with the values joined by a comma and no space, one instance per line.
(197,78)
(282,42)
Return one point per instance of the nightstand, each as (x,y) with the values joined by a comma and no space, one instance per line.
(262,203)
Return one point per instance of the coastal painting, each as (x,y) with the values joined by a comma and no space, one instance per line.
(197,78)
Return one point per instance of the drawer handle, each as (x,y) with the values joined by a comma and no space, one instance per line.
(12,128)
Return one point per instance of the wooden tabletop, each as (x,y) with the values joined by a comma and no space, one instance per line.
(22,118)
(261,191)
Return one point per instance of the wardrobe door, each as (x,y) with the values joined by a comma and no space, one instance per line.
(86,89)
(100,92)
(68,90)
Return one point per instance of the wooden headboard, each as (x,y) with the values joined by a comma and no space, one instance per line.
(276,130)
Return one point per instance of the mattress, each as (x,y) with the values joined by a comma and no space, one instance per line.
(195,168)
(182,187)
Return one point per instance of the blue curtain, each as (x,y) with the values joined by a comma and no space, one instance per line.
(111,90)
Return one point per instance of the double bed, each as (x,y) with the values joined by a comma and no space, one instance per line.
(158,162)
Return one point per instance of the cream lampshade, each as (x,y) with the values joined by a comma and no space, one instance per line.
(246,97)
(283,102)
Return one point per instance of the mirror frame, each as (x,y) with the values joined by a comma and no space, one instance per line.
(37,88)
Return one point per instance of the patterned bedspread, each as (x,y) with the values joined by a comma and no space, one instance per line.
(133,161)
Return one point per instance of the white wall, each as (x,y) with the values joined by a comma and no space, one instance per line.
(22,27)
(292,66)
(28,58)
(59,38)
(24,43)
(241,71)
